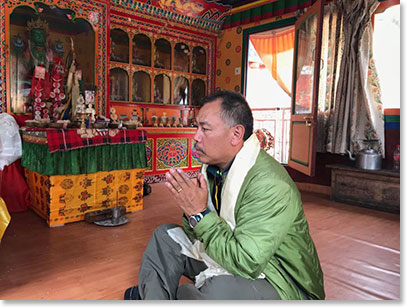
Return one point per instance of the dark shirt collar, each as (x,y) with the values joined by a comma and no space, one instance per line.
(213,169)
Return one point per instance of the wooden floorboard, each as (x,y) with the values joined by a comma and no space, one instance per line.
(359,250)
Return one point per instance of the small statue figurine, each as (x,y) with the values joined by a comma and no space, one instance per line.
(180,122)
(79,106)
(154,120)
(164,120)
(91,111)
(173,121)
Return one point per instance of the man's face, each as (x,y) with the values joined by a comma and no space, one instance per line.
(213,136)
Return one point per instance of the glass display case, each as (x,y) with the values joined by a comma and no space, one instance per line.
(162,54)
(199,60)
(141,87)
(157,70)
(45,48)
(162,89)
(119,85)
(198,91)
(181,90)
(141,50)
(119,46)
(181,57)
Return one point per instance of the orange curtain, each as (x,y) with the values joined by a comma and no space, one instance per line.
(273,51)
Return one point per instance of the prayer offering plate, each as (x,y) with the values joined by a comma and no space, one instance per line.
(120,221)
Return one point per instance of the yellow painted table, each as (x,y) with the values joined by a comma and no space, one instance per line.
(66,184)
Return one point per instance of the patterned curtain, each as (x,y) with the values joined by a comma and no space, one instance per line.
(350,107)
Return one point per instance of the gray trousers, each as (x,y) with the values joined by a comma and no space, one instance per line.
(163,265)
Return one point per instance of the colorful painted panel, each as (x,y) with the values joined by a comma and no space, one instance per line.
(65,199)
(149,154)
(172,153)
(194,159)
(201,14)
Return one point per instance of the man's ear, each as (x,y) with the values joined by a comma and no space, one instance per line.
(238,135)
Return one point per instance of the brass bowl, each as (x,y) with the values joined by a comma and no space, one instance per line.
(131,126)
(41,124)
(113,125)
(56,125)
(99,125)
(31,123)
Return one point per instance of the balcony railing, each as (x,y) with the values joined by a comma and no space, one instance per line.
(277,122)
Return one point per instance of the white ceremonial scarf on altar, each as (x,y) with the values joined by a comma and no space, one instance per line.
(244,161)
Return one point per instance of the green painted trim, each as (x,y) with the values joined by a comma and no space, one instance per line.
(256,29)
(291,142)
(392,118)
(265,9)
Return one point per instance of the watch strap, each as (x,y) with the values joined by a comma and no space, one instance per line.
(194,219)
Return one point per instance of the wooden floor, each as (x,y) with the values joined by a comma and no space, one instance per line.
(359,251)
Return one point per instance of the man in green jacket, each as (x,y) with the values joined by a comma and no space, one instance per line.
(244,233)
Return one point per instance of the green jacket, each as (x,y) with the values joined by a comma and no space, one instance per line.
(271,235)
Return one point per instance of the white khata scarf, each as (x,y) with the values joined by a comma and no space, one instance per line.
(243,162)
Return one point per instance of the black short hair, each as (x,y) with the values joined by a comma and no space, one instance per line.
(235,110)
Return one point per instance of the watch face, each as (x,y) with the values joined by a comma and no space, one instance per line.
(192,221)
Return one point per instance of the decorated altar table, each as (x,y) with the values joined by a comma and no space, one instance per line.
(71,171)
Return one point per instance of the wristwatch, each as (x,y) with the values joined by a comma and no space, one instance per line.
(195,218)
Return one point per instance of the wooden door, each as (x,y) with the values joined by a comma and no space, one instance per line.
(307,52)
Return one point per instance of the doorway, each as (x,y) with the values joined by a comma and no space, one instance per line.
(268,84)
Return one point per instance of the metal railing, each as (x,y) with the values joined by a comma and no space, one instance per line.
(277,121)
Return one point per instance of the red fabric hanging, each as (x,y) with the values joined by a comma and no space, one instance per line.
(13,188)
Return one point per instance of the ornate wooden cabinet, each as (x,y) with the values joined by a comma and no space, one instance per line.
(63,24)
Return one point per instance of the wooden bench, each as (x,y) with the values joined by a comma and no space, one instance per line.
(373,189)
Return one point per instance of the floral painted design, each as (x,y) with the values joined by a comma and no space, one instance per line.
(84,207)
(172,152)
(125,176)
(123,201)
(107,191)
(108,179)
(107,203)
(93,18)
(84,195)
(67,184)
(138,186)
(85,183)
(123,189)
(139,175)
(138,197)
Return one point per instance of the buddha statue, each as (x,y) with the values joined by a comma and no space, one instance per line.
(37,43)
(40,58)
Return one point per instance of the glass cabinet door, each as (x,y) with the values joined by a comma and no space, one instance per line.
(141,50)
(181,90)
(199,60)
(198,91)
(181,57)
(119,46)
(162,54)
(119,85)
(162,89)
(36,39)
(141,87)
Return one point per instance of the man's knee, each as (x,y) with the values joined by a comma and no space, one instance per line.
(162,229)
